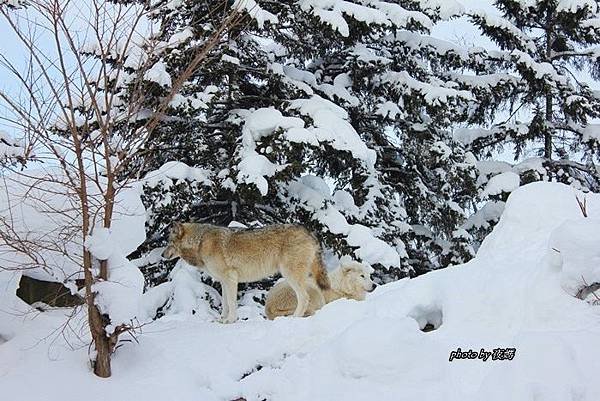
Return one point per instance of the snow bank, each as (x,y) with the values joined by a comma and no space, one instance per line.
(512,295)
(576,246)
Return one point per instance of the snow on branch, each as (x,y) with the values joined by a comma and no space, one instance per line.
(505,28)
(10,149)
(255,11)
(433,94)
(13,3)
(330,124)
(175,171)
(313,194)
(333,12)
(574,6)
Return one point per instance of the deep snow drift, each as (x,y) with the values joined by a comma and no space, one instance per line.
(517,293)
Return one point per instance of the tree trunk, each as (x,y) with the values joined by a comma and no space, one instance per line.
(101,339)
(102,343)
(548,133)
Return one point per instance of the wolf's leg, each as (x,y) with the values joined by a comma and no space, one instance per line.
(230,284)
(224,304)
(301,296)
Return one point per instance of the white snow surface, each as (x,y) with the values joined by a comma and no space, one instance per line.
(41,209)
(511,295)
(577,252)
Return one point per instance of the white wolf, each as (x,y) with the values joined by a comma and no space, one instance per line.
(350,280)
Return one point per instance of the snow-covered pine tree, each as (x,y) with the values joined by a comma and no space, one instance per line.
(546,46)
(420,100)
(534,101)
(271,145)
(331,114)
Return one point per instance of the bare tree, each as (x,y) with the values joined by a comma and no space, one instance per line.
(65,110)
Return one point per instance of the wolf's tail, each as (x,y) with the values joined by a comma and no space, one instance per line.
(319,272)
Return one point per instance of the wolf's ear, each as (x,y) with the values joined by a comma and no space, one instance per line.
(178,229)
(353,267)
(347,268)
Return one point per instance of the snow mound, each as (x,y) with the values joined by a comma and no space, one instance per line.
(511,296)
(577,252)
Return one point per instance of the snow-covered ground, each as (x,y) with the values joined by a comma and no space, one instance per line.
(517,293)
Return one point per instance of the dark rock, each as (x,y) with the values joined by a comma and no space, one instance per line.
(32,290)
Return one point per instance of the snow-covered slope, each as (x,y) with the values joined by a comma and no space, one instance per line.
(517,293)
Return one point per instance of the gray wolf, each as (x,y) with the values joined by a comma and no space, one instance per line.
(231,256)
(350,280)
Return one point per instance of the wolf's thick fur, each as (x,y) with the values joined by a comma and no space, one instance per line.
(232,256)
(350,280)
